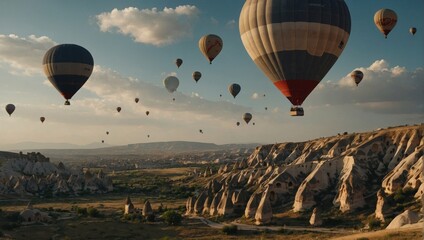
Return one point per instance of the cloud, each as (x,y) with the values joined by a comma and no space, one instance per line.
(214,21)
(150,26)
(231,24)
(24,56)
(384,89)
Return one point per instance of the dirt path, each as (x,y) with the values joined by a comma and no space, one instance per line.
(246,227)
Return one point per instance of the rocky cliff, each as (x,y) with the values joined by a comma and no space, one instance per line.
(344,172)
(33,174)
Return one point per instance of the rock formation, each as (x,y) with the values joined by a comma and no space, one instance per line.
(315,219)
(345,172)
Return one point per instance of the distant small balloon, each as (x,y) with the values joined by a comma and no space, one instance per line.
(197,75)
(147,113)
(118,109)
(201,131)
(238,123)
(266,108)
(171,83)
(173,99)
(220,95)
(107,133)
(42,119)
(253,124)
(234,89)
(357,76)
(10,108)
(179,62)
(148,136)
(247,117)
(413,30)
(103,141)
(136,100)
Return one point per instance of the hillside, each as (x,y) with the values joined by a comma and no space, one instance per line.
(377,173)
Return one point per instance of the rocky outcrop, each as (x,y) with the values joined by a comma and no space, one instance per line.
(39,177)
(343,172)
(407,217)
(315,219)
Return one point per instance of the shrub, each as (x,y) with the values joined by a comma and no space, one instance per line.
(374,223)
(93,212)
(172,217)
(230,229)
(150,218)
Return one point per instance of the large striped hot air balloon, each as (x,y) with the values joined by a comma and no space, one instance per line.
(385,20)
(68,67)
(295,42)
(210,45)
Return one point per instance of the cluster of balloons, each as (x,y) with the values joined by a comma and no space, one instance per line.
(386,19)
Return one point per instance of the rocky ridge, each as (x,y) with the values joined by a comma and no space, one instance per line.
(342,172)
(34,175)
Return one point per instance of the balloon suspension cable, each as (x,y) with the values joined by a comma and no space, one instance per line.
(67,103)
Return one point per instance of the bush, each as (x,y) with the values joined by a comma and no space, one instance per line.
(150,218)
(172,217)
(230,229)
(374,223)
(93,212)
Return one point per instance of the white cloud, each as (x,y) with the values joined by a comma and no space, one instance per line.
(231,24)
(24,56)
(384,89)
(214,21)
(150,26)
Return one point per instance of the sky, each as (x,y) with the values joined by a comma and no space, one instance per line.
(135,44)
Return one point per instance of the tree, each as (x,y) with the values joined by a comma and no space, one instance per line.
(172,217)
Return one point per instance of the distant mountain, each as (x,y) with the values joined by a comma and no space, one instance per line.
(24,146)
(135,149)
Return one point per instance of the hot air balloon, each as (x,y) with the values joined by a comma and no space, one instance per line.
(68,67)
(197,75)
(171,83)
(178,62)
(173,99)
(118,109)
(413,30)
(42,119)
(148,136)
(295,43)
(201,131)
(136,100)
(103,141)
(238,123)
(253,124)
(220,95)
(357,76)
(10,108)
(234,89)
(210,45)
(147,113)
(385,20)
(247,117)
(107,133)
(266,108)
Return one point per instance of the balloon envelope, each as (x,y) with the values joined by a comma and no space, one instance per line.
(136,100)
(357,76)
(42,119)
(295,43)
(234,89)
(10,108)
(247,117)
(68,67)
(385,20)
(197,75)
(413,30)
(179,62)
(210,45)
(238,123)
(147,113)
(118,109)
(171,83)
